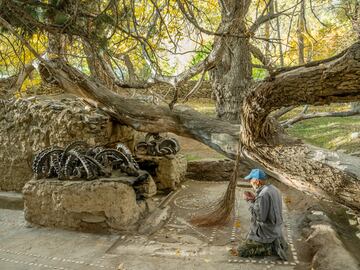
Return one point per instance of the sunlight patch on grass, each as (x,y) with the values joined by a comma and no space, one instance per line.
(327,132)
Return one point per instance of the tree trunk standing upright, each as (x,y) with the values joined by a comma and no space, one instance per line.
(281,54)
(231,78)
(56,46)
(270,12)
(99,66)
(300,33)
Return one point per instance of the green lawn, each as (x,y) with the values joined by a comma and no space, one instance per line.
(328,132)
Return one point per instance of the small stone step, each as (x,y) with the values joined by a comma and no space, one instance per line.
(11,200)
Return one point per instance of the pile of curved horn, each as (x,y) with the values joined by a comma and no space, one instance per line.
(78,160)
(155,145)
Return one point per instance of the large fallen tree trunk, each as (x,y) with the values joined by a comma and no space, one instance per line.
(319,83)
(263,141)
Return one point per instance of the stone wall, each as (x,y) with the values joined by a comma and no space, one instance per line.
(31,124)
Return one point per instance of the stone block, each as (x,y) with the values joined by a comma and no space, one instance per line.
(167,171)
(99,205)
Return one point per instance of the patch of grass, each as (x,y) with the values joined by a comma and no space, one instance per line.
(328,132)
(192,157)
(338,107)
(203,105)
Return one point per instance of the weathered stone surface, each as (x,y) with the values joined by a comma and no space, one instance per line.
(30,125)
(81,205)
(146,188)
(329,251)
(213,170)
(167,171)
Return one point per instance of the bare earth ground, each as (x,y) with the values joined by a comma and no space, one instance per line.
(178,245)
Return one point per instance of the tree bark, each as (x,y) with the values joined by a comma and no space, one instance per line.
(300,33)
(281,54)
(231,79)
(13,84)
(262,141)
(23,75)
(232,76)
(99,68)
(270,12)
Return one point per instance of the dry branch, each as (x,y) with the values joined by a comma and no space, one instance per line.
(302,116)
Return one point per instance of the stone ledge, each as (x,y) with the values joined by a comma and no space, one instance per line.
(11,200)
(214,170)
(99,205)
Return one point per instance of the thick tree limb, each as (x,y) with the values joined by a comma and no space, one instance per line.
(321,83)
(182,120)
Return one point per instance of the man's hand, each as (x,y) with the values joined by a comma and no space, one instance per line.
(249,196)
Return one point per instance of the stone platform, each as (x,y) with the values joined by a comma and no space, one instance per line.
(100,205)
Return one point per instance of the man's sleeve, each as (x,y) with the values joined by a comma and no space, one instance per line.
(260,208)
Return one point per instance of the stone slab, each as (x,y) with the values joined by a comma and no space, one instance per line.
(81,205)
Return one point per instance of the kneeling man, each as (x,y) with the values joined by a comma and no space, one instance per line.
(265,237)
